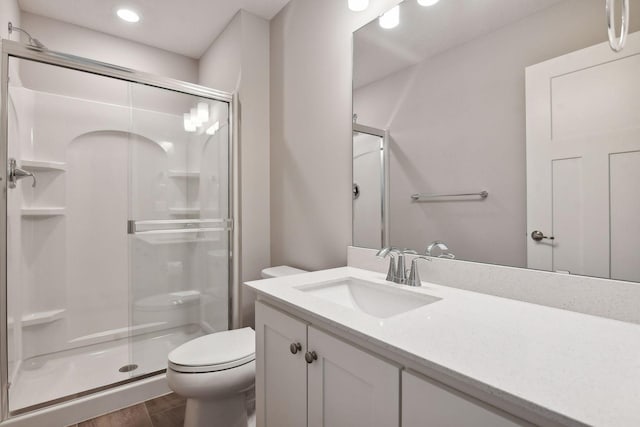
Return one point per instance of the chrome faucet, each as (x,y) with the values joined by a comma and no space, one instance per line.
(444,249)
(414,276)
(396,272)
(389,252)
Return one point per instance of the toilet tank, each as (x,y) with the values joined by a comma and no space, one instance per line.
(279,271)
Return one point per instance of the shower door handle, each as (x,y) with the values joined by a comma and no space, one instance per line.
(16,174)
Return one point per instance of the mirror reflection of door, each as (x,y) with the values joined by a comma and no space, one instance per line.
(583,162)
(368,187)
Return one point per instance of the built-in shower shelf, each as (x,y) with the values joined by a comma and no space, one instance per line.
(183,174)
(184,211)
(42,212)
(42,317)
(42,165)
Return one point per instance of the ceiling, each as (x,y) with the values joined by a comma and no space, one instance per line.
(426,31)
(186,27)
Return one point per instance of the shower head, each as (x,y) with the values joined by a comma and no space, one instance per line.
(33,42)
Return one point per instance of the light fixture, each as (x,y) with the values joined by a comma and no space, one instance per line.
(427,2)
(195,117)
(213,129)
(189,125)
(391,18)
(358,5)
(203,112)
(128,15)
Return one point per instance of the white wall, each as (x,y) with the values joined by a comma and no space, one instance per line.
(69,38)
(311,131)
(457,124)
(9,12)
(239,60)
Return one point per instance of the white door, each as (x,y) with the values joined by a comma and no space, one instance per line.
(281,376)
(350,387)
(583,162)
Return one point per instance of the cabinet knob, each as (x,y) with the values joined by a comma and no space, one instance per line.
(310,356)
(295,347)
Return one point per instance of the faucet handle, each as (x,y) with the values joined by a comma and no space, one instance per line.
(414,275)
(444,249)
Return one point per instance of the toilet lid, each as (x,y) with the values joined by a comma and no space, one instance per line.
(215,352)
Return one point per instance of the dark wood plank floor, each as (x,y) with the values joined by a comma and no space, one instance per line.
(165,411)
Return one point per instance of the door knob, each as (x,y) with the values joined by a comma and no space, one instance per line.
(310,356)
(295,347)
(539,235)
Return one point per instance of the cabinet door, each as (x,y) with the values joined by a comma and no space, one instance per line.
(350,387)
(281,376)
(428,404)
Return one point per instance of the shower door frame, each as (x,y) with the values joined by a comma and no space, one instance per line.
(12,49)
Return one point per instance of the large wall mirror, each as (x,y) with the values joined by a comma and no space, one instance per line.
(512,134)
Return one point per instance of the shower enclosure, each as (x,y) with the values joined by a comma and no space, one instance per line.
(118,217)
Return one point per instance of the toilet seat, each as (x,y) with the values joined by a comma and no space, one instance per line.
(214,352)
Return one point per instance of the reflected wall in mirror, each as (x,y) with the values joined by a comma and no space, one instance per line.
(523,99)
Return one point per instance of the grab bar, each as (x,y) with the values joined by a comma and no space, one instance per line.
(157,226)
(427,197)
(610,6)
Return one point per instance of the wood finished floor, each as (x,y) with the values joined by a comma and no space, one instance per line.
(165,411)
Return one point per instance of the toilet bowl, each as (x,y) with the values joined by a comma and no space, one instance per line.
(216,373)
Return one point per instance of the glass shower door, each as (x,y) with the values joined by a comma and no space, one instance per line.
(118,229)
(179,231)
(67,275)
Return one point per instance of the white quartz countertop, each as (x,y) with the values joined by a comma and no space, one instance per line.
(567,367)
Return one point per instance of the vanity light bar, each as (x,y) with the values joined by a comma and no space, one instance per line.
(361,5)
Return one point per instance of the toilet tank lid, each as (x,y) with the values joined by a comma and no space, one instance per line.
(281,270)
(231,347)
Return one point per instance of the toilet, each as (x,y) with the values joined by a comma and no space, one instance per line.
(216,372)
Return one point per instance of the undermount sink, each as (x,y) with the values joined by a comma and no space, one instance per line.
(374,299)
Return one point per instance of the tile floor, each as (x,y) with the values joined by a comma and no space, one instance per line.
(164,411)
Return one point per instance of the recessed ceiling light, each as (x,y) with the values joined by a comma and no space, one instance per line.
(128,15)
(427,2)
(358,5)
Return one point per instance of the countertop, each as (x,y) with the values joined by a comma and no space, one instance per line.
(567,367)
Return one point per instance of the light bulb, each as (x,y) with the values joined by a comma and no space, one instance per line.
(427,2)
(358,5)
(189,126)
(128,15)
(203,112)
(194,117)
(390,18)
(213,129)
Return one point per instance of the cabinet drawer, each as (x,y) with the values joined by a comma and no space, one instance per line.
(426,403)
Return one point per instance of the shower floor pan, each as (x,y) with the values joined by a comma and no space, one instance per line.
(52,377)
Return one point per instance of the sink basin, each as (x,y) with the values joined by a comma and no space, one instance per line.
(374,299)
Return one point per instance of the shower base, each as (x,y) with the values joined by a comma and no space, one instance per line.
(52,377)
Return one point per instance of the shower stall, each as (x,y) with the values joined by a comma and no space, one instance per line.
(117,213)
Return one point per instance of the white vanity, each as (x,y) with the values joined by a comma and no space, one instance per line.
(344,347)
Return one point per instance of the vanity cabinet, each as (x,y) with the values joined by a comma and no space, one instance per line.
(426,403)
(306,377)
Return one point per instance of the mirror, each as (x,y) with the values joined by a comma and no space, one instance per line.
(513,135)
(369,186)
